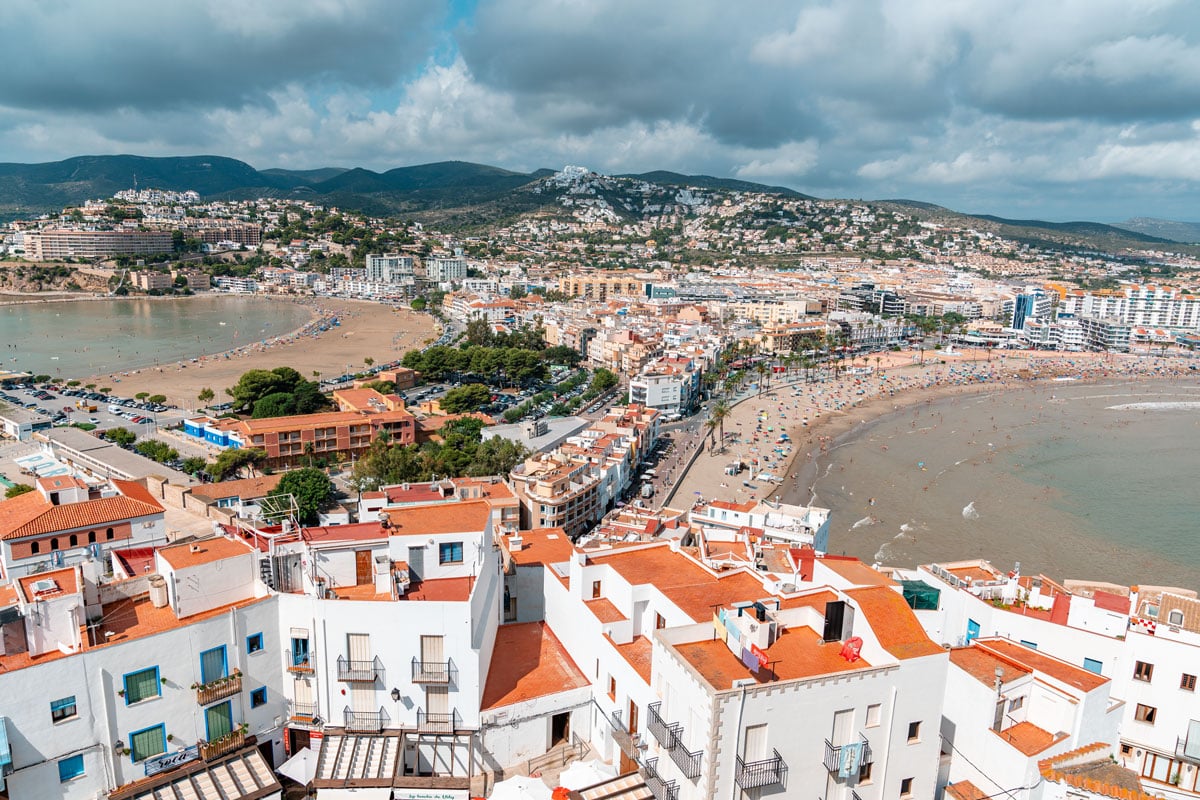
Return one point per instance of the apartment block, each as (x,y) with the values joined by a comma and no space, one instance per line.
(50,244)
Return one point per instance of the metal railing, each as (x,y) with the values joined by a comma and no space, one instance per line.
(670,737)
(219,689)
(621,735)
(434,671)
(1182,751)
(662,790)
(687,761)
(765,772)
(304,667)
(359,671)
(833,755)
(365,721)
(437,722)
(304,710)
(225,744)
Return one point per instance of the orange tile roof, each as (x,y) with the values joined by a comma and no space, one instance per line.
(893,622)
(64,579)
(605,611)
(301,422)
(443,590)
(245,487)
(856,572)
(685,583)
(981,664)
(466,516)
(798,653)
(8,596)
(639,653)
(205,551)
(965,790)
(31,514)
(61,482)
(1029,738)
(528,661)
(542,546)
(1069,674)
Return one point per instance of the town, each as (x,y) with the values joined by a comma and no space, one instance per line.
(497,565)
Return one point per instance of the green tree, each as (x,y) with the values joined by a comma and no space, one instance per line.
(603,380)
(157,398)
(312,489)
(141,395)
(17,490)
(206,395)
(465,398)
(419,304)
(561,354)
(231,462)
(157,450)
(120,436)
(193,464)
(280,404)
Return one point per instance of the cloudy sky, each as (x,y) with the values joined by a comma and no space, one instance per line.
(1060,109)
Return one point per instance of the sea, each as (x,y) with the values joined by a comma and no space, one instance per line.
(1087,481)
(87,337)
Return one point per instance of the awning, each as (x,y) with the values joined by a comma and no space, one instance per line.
(241,776)
(302,767)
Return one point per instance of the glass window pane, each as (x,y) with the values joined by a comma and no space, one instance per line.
(141,685)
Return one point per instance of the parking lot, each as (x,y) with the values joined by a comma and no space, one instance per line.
(68,406)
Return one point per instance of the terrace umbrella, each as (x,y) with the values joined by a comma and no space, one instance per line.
(519,787)
(582,774)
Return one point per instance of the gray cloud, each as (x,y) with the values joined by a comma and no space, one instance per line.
(1060,107)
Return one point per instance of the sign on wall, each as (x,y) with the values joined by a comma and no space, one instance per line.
(166,761)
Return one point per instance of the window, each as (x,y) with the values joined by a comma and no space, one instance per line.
(35,547)
(70,768)
(258,697)
(906,787)
(218,721)
(254,643)
(213,665)
(660,622)
(595,589)
(1126,749)
(1143,671)
(450,553)
(1146,713)
(1187,682)
(914,732)
(1016,703)
(63,709)
(54,543)
(91,537)
(612,688)
(1175,617)
(1029,644)
(141,686)
(147,742)
(108,534)
(299,652)
(74,540)
(873,715)
(1092,665)
(864,773)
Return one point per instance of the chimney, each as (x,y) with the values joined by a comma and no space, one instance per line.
(194,548)
(515,544)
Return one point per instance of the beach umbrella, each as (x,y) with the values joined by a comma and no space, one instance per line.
(583,774)
(520,787)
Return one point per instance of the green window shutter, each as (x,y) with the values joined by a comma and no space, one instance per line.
(149,742)
(219,721)
(141,685)
(212,664)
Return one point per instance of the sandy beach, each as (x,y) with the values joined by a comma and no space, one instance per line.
(815,415)
(365,329)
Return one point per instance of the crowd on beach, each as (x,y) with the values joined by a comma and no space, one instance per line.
(770,431)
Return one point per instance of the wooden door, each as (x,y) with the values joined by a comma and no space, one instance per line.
(362,567)
(633,717)
(432,651)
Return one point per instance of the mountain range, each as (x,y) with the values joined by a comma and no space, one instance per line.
(459,193)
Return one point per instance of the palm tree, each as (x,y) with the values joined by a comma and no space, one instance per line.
(710,425)
(718,414)
(764,371)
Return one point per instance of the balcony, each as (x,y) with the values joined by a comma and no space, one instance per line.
(359,671)
(765,772)
(833,755)
(219,689)
(437,722)
(225,744)
(365,721)
(1187,751)
(662,790)
(670,737)
(435,672)
(301,667)
(304,712)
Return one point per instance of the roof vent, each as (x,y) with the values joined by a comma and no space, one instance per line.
(193,548)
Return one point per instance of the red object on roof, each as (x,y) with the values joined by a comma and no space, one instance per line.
(1111,602)
(852,649)
(1061,609)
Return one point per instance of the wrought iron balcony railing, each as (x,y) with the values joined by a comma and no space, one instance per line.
(764,772)
(661,789)
(359,671)
(437,672)
(218,689)
(833,755)
(365,721)
(437,722)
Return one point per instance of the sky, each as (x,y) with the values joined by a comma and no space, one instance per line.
(1054,109)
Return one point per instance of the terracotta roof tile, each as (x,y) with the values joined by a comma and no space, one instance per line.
(205,551)
(965,790)
(639,653)
(260,486)
(893,622)
(542,546)
(1069,674)
(31,514)
(1029,738)
(605,611)
(981,664)
(798,653)
(528,661)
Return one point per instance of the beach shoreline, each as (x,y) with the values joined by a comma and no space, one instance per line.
(833,409)
(317,349)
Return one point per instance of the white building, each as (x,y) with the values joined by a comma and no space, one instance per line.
(443,270)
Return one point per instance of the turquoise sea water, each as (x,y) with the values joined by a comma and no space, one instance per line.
(81,338)
(1077,481)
